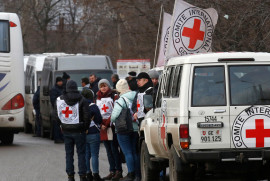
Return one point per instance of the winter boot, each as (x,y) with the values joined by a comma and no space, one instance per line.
(109,177)
(96,177)
(83,178)
(117,176)
(89,176)
(130,177)
(71,178)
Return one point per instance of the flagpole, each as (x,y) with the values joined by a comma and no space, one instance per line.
(161,11)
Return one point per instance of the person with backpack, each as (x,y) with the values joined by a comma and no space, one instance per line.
(92,137)
(105,101)
(127,139)
(71,111)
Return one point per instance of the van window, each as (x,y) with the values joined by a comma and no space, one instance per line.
(177,82)
(169,80)
(249,84)
(4,36)
(208,86)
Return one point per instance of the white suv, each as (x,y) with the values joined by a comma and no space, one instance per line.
(211,110)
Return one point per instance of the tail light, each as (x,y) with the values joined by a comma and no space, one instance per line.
(12,24)
(184,136)
(16,102)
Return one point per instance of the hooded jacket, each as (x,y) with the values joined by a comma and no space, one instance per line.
(120,104)
(72,97)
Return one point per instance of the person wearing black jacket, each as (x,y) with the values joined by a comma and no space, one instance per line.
(132,82)
(93,79)
(57,91)
(92,137)
(71,111)
(36,105)
(145,87)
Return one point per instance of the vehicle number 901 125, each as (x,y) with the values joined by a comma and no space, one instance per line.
(209,136)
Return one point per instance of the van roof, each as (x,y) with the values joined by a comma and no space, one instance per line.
(80,62)
(37,60)
(215,57)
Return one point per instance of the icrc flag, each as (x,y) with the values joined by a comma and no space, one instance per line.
(164,39)
(192,29)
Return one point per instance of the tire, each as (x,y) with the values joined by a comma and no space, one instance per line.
(149,169)
(7,138)
(178,170)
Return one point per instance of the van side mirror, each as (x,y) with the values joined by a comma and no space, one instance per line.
(148,101)
(46,90)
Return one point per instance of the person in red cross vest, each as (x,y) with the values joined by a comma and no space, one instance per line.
(71,112)
(105,101)
(145,87)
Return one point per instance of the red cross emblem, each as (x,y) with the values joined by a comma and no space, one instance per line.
(138,105)
(104,108)
(163,132)
(194,33)
(259,132)
(67,112)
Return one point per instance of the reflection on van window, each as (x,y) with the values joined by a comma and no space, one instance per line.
(250,85)
(4,36)
(77,75)
(208,86)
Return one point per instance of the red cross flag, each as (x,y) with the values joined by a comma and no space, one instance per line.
(164,39)
(192,29)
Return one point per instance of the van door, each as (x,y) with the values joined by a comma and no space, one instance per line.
(250,100)
(209,123)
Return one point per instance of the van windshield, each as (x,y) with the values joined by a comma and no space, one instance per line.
(77,75)
(4,36)
(250,84)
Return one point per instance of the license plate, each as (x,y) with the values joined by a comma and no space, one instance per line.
(210,136)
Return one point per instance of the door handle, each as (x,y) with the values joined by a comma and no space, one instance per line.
(219,111)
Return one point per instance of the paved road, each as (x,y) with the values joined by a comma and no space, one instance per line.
(39,159)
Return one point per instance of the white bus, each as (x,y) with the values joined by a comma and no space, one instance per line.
(11,77)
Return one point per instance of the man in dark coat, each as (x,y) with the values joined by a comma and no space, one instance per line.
(57,91)
(36,105)
(132,82)
(94,83)
(145,87)
(71,111)
(65,78)
(115,79)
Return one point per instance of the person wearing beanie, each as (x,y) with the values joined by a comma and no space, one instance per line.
(132,82)
(65,78)
(105,101)
(128,142)
(57,91)
(92,137)
(154,75)
(71,111)
(145,87)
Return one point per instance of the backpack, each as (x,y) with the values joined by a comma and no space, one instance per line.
(123,122)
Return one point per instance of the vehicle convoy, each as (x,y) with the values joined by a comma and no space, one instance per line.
(212,112)
(78,67)
(11,77)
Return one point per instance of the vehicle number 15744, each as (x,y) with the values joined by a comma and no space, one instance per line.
(210,136)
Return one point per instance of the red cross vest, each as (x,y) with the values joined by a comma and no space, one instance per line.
(140,105)
(67,114)
(105,106)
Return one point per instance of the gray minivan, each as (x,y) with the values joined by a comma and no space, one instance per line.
(77,66)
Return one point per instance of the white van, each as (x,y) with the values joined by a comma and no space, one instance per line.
(32,75)
(11,77)
(212,113)
(78,67)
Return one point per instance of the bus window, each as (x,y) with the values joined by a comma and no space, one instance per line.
(4,36)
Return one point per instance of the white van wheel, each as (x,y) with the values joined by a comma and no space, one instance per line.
(177,168)
(148,171)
